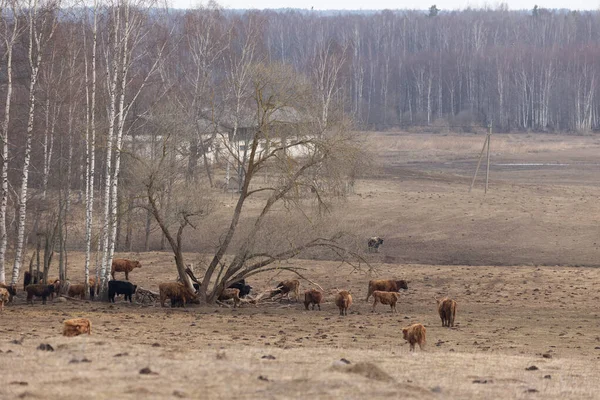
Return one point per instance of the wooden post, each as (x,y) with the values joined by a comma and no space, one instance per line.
(487,172)
(479,162)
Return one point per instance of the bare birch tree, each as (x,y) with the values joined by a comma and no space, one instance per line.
(10,13)
(42,22)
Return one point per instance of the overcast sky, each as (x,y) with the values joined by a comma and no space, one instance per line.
(389,4)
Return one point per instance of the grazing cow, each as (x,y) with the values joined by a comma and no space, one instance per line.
(30,278)
(287,287)
(77,290)
(11,289)
(77,326)
(229,294)
(243,288)
(4,298)
(343,300)
(447,311)
(389,298)
(414,334)
(386,285)
(313,296)
(177,292)
(124,265)
(39,290)
(94,286)
(120,287)
(374,243)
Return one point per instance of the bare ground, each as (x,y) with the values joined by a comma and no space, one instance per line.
(534,306)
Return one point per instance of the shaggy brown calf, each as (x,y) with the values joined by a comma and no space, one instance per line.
(77,326)
(4,298)
(77,290)
(389,298)
(94,286)
(287,287)
(175,291)
(447,311)
(414,334)
(343,300)
(229,294)
(386,285)
(39,290)
(314,297)
(11,289)
(124,265)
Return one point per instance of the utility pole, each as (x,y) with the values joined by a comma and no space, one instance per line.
(486,145)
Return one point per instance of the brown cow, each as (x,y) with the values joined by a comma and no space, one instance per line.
(447,311)
(39,290)
(414,334)
(229,294)
(77,326)
(386,285)
(11,289)
(94,285)
(287,287)
(343,300)
(124,265)
(389,298)
(314,297)
(4,298)
(175,291)
(77,290)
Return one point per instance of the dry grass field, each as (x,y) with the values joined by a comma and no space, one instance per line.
(520,262)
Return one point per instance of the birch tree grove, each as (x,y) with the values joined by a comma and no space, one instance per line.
(96,96)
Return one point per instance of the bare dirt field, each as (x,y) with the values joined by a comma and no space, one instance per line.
(519,261)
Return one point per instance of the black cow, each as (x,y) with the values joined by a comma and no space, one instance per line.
(39,290)
(120,287)
(374,244)
(29,278)
(242,287)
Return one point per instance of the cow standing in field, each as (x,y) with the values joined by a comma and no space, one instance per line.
(343,300)
(287,287)
(230,294)
(11,289)
(77,290)
(121,287)
(414,334)
(175,291)
(314,297)
(386,285)
(242,287)
(124,265)
(374,243)
(389,298)
(447,311)
(39,290)
(4,298)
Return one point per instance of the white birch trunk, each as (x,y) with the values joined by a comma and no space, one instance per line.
(9,42)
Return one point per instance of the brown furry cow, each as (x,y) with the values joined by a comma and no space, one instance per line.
(414,334)
(447,311)
(124,265)
(94,285)
(314,297)
(287,287)
(11,289)
(175,291)
(4,298)
(229,294)
(77,290)
(77,326)
(343,300)
(389,298)
(386,285)
(39,290)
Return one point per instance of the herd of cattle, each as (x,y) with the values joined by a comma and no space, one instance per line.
(383,291)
